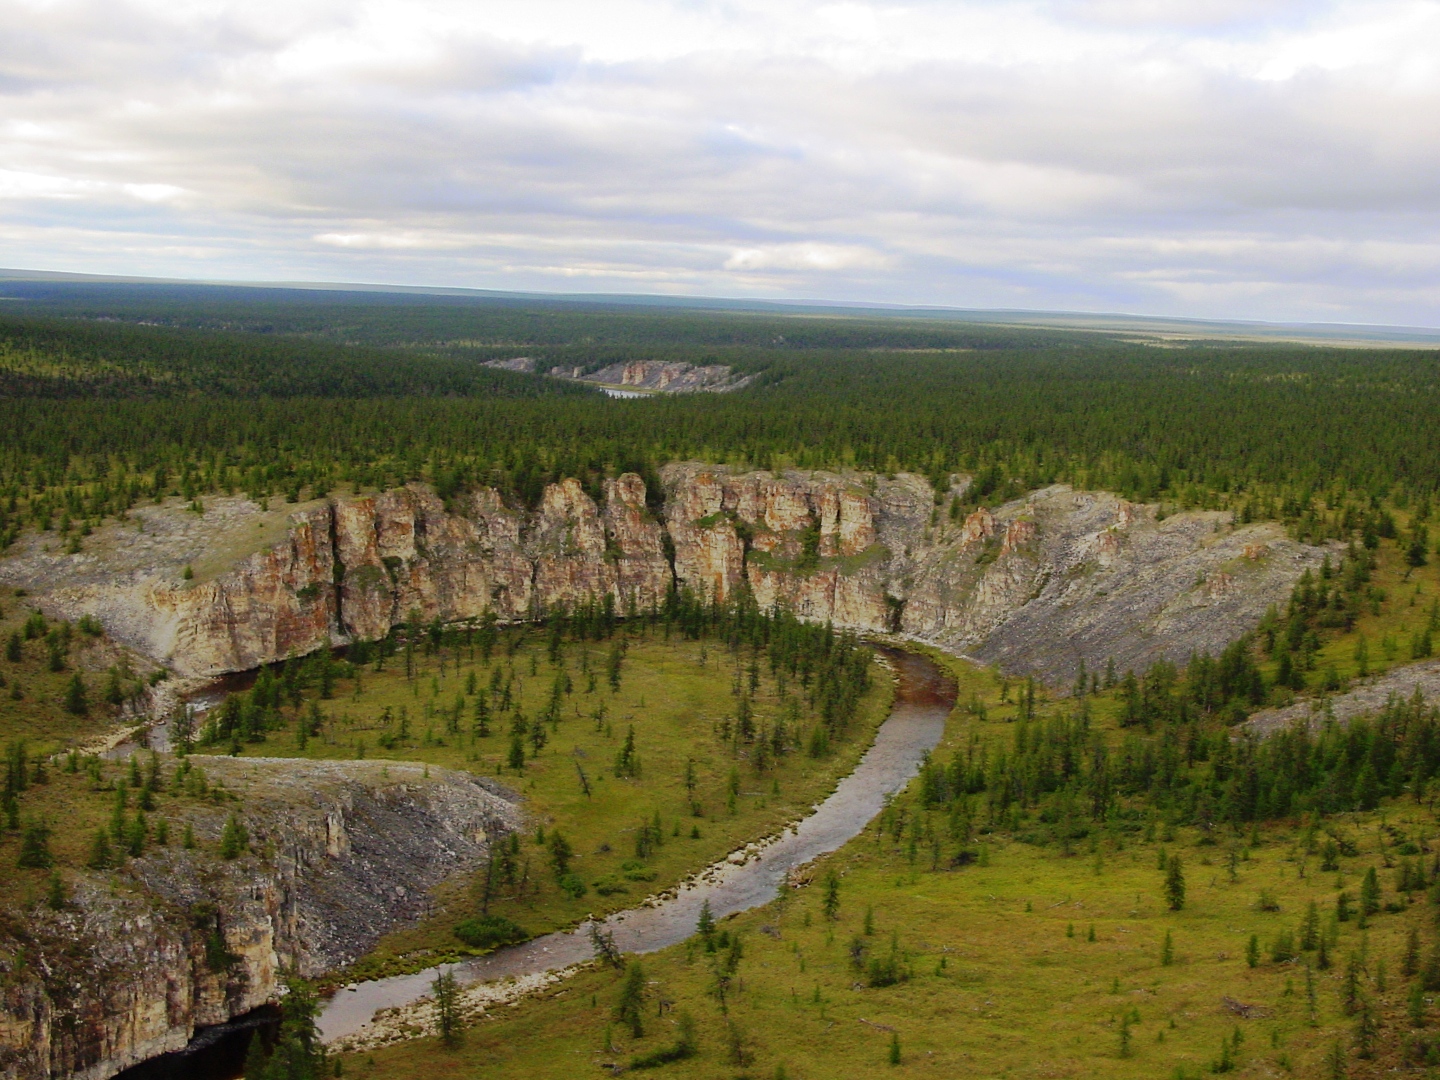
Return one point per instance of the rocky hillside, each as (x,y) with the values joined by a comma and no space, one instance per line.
(1365,697)
(340,853)
(660,376)
(1035,586)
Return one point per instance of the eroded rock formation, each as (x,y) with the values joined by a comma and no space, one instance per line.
(661,376)
(341,853)
(1037,585)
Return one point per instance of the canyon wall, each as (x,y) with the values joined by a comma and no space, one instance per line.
(341,852)
(1036,586)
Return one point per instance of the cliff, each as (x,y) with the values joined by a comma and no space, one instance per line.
(659,376)
(341,852)
(1035,586)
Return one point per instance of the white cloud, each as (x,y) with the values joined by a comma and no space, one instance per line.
(1267,158)
(805,257)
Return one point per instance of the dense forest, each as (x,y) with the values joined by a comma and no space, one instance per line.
(115,395)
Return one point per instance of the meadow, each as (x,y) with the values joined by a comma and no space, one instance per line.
(956,951)
(645,778)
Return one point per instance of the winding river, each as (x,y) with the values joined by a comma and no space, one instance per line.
(923,700)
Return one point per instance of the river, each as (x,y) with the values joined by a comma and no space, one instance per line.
(923,700)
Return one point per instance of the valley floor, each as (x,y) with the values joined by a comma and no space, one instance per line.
(1026,962)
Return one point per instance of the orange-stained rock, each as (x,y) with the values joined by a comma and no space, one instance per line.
(1074,575)
(1017,535)
(978,527)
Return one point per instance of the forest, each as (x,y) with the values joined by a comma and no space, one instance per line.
(110,395)
(1126,843)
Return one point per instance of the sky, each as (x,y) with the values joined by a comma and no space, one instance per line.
(1249,159)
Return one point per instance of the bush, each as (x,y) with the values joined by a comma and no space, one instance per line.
(683,1048)
(610,885)
(489,932)
(234,840)
(572,886)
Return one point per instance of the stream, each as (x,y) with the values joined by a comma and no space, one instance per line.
(924,697)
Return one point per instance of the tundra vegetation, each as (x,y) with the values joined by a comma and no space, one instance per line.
(645,749)
(1111,878)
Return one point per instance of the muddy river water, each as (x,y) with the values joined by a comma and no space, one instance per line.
(924,698)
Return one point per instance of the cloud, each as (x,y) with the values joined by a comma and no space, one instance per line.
(1267,159)
(805,257)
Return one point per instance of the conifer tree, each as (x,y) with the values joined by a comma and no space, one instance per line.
(99,857)
(76,702)
(629,1009)
(1370,893)
(35,847)
(1174,884)
(446,995)
(234,839)
(830,905)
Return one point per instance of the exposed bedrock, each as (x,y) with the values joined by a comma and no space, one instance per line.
(143,955)
(1035,586)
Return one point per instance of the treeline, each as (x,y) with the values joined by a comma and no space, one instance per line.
(1061,780)
(48,358)
(1325,439)
(539,323)
(820,672)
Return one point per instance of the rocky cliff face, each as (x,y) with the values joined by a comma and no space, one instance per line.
(1036,586)
(342,853)
(666,377)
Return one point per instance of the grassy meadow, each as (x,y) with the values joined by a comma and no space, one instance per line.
(1017,960)
(688,799)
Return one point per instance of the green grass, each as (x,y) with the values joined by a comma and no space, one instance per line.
(1409,593)
(1003,979)
(676,695)
(75,805)
(32,696)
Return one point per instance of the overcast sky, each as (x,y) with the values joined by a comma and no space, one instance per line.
(1232,158)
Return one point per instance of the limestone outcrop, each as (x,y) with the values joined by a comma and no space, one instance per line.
(142,956)
(1364,697)
(660,376)
(1037,586)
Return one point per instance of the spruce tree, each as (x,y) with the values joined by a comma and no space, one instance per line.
(705,925)
(234,839)
(1370,893)
(1310,928)
(560,854)
(75,696)
(1174,884)
(35,847)
(255,1060)
(447,1007)
(629,1009)
(99,857)
(55,895)
(830,905)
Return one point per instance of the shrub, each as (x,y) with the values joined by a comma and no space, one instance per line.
(234,840)
(682,1048)
(489,932)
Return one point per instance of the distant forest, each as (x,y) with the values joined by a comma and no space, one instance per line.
(111,394)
